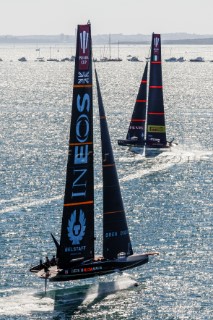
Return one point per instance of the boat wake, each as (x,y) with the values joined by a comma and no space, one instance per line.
(23,302)
(83,297)
(60,301)
(165,160)
(103,289)
(18,206)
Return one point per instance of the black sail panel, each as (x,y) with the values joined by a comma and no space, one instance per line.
(77,231)
(115,230)
(156,130)
(137,124)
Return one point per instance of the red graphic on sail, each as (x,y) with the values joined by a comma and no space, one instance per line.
(84,47)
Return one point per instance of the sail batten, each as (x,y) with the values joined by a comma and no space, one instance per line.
(82,86)
(80,143)
(155,87)
(77,203)
(156,113)
(114,212)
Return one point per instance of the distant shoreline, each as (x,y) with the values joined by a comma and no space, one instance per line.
(177,42)
(170,39)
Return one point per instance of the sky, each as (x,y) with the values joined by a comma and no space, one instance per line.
(53,17)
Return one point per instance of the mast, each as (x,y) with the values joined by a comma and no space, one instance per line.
(109,46)
(138,120)
(156,130)
(115,230)
(77,231)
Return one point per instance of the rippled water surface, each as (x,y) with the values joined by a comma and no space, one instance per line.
(168,199)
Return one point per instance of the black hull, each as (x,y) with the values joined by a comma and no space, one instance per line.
(158,146)
(91,269)
(95,269)
(131,143)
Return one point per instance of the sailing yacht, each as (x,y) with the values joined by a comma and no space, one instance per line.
(75,254)
(110,59)
(147,126)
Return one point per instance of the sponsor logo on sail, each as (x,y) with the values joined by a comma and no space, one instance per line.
(84,48)
(159,129)
(81,152)
(156,41)
(83,77)
(75,249)
(76,227)
(84,40)
(136,127)
(156,48)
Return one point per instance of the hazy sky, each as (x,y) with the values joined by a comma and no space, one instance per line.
(40,17)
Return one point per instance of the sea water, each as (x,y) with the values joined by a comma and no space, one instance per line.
(168,198)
